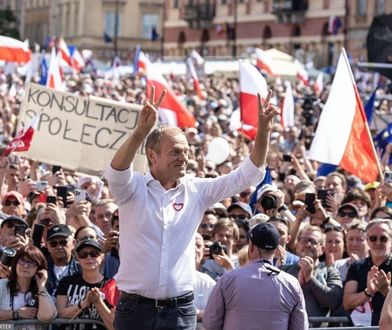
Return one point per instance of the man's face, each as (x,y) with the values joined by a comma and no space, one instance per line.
(207,225)
(7,231)
(357,243)
(379,240)
(103,215)
(238,213)
(60,248)
(171,160)
(225,236)
(12,176)
(310,244)
(12,206)
(283,232)
(335,184)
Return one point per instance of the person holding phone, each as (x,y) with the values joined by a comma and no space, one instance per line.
(23,295)
(12,233)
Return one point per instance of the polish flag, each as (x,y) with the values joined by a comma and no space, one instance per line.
(251,83)
(264,62)
(140,61)
(112,293)
(195,78)
(77,61)
(171,110)
(342,137)
(197,57)
(64,53)
(288,107)
(22,140)
(302,74)
(13,50)
(54,75)
(318,84)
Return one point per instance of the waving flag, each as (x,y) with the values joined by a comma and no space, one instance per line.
(43,65)
(140,61)
(112,294)
(13,50)
(318,84)
(383,139)
(264,62)
(288,107)
(77,61)
(251,83)
(171,111)
(197,57)
(65,56)
(369,106)
(195,78)
(23,139)
(54,75)
(342,136)
(302,74)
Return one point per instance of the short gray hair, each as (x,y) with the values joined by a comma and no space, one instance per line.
(380,221)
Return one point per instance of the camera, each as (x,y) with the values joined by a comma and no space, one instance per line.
(216,248)
(268,202)
(308,109)
(6,256)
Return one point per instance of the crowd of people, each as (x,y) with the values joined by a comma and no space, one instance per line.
(332,233)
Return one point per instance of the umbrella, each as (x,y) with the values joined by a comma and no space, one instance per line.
(379,43)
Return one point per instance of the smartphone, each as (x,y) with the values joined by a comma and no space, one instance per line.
(80,195)
(20,230)
(51,200)
(55,169)
(322,196)
(41,185)
(309,202)
(38,231)
(388,177)
(62,191)
(287,158)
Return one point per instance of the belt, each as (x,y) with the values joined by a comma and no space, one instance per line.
(159,303)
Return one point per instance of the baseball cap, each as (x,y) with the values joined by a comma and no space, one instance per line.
(371,185)
(58,230)
(88,243)
(15,219)
(243,206)
(15,195)
(348,205)
(265,236)
(264,189)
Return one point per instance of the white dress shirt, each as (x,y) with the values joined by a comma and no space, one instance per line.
(157,226)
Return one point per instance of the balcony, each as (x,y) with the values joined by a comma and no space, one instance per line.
(290,11)
(199,16)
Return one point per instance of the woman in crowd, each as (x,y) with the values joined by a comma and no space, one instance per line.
(79,295)
(23,295)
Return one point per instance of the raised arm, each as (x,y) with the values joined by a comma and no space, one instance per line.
(148,116)
(266,113)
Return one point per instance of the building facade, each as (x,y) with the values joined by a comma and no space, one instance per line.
(106,27)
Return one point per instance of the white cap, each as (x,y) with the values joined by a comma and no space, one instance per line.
(265,188)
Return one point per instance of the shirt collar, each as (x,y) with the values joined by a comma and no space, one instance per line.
(149,178)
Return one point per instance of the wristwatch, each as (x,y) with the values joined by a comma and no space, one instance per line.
(15,315)
(283,208)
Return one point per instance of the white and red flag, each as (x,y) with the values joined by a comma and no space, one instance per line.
(264,62)
(288,107)
(318,84)
(342,137)
(55,80)
(302,73)
(195,79)
(171,110)
(251,83)
(65,55)
(13,50)
(77,60)
(22,140)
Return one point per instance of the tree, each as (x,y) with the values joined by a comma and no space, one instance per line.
(8,24)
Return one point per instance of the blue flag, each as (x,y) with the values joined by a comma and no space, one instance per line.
(325,169)
(370,106)
(267,180)
(107,38)
(154,34)
(44,69)
(382,139)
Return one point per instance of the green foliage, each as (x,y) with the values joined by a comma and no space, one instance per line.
(8,24)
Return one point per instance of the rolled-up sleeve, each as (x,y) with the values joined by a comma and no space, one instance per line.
(120,183)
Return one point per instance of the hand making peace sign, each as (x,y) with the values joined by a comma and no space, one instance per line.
(266,112)
(149,113)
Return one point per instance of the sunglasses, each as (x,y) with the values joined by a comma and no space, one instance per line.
(9,203)
(382,239)
(10,224)
(46,222)
(92,254)
(206,225)
(53,244)
(27,262)
(239,217)
(351,214)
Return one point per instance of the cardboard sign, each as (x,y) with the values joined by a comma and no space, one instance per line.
(77,132)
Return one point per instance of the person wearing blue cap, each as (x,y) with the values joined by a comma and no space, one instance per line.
(258,295)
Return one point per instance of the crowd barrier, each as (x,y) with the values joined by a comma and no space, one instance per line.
(10,325)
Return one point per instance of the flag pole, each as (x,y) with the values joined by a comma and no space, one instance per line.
(359,101)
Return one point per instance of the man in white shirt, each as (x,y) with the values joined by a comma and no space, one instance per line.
(159,215)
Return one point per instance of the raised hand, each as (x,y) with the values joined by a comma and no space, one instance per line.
(149,113)
(266,112)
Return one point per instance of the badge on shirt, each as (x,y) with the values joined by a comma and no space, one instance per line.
(178,206)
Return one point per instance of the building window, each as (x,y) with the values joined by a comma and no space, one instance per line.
(361,7)
(110,23)
(223,2)
(150,23)
(175,4)
(380,7)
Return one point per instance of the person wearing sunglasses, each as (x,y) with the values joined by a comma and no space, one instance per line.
(61,262)
(79,294)
(347,214)
(13,233)
(23,295)
(13,204)
(369,279)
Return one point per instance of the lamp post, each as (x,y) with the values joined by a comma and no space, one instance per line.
(115,34)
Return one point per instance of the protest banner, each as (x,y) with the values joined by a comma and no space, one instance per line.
(78,132)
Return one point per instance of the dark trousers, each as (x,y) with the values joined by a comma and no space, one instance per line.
(131,313)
